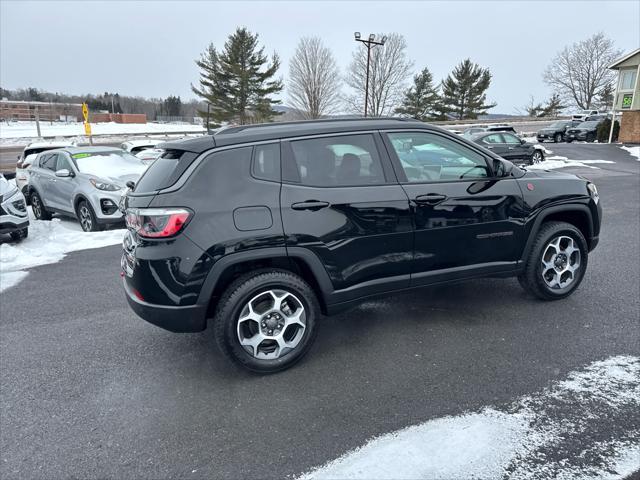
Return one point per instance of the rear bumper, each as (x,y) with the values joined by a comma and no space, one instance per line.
(189,318)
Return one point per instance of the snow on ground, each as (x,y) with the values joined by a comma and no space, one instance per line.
(48,242)
(553,162)
(578,428)
(635,151)
(10,132)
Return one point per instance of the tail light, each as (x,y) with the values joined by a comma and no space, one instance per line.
(157,222)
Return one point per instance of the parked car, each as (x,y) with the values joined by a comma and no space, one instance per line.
(14,219)
(583,114)
(149,155)
(82,182)
(556,131)
(586,131)
(256,230)
(27,156)
(510,147)
(135,146)
(471,131)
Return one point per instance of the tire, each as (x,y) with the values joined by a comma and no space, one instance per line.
(559,270)
(19,235)
(86,217)
(568,140)
(537,157)
(557,138)
(255,288)
(591,138)
(38,208)
(27,196)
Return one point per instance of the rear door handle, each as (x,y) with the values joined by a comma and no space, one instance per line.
(429,199)
(312,205)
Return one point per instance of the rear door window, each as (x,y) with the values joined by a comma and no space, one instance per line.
(337,161)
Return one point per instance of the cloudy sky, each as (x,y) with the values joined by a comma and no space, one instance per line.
(148,48)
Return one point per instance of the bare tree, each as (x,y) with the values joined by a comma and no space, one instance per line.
(388,72)
(314,79)
(579,73)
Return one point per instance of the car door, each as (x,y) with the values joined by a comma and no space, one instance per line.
(43,177)
(517,151)
(467,221)
(495,143)
(61,188)
(341,201)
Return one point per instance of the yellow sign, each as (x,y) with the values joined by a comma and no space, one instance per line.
(85,113)
(87,128)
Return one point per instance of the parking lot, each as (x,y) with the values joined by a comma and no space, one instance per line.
(89,390)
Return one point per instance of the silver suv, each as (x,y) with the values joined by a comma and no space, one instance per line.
(85,182)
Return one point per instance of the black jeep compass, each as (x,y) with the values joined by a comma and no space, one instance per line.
(257,230)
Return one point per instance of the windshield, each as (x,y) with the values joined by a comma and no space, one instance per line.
(588,124)
(108,163)
(558,124)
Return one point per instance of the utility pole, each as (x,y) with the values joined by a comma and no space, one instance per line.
(369,43)
(37,114)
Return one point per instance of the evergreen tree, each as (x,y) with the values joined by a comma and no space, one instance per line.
(553,107)
(421,100)
(238,81)
(464,91)
(605,96)
(172,106)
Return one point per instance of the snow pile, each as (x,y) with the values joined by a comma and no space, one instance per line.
(635,151)
(554,162)
(48,242)
(586,418)
(14,130)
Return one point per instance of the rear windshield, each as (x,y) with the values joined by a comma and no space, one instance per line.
(588,124)
(165,171)
(105,164)
(36,150)
(559,124)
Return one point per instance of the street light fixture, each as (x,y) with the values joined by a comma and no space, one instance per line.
(370,43)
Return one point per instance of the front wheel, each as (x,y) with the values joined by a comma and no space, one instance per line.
(557,262)
(537,157)
(87,218)
(557,138)
(266,320)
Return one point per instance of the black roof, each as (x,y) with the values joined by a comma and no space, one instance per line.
(271,131)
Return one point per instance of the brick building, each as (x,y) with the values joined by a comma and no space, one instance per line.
(627,98)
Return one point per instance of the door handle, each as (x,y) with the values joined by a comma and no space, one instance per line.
(489,147)
(312,205)
(511,148)
(429,198)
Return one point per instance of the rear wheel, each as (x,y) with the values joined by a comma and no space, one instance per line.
(557,138)
(87,218)
(266,321)
(39,210)
(19,235)
(557,262)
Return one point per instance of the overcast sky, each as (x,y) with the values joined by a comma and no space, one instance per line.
(148,48)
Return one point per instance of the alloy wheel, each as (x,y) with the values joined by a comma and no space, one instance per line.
(271,324)
(561,262)
(37,207)
(537,157)
(86,222)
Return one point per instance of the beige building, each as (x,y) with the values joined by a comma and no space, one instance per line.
(627,99)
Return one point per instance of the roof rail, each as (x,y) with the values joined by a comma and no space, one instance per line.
(241,128)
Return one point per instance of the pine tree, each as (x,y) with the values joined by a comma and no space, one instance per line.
(553,107)
(605,96)
(238,81)
(464,90)
(421,100)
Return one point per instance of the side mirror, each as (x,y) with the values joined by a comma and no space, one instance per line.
(502,168)
(63,172)
(130,185)
(523,141)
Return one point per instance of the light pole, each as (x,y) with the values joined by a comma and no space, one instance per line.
(369,43)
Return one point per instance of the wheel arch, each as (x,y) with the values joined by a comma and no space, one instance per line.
(577,215)
(296,260)
(77,199)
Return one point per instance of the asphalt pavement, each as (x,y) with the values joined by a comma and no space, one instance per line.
(88,390)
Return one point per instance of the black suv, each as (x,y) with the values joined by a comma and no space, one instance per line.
(257,230)
(556,131)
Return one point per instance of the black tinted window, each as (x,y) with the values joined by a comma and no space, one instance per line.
(337,161)
(266,162)
(165,171)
